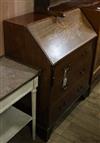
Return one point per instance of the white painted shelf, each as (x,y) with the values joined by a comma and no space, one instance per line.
(11,122)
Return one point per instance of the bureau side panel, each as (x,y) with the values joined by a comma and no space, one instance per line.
(20,46)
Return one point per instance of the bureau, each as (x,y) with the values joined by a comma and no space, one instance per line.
(63,50)
(93,15)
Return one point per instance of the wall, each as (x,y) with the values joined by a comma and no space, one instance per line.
(12,8)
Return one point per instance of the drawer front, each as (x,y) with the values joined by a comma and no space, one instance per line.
(83,53)
(71,71)
(65,102)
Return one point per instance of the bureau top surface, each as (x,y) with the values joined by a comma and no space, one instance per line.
(58,38)
(13,75)
(26,18)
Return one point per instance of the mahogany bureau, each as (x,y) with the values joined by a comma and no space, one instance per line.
(93,15)
(64,50)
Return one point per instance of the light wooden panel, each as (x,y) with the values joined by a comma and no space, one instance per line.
(12,8)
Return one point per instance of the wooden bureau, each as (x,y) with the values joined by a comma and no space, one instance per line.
(63,50)
(93,15)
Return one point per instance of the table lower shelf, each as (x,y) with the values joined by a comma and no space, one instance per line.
(11,122)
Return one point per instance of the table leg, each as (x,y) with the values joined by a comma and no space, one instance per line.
(34,114)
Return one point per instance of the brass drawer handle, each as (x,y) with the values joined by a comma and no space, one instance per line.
(65,78)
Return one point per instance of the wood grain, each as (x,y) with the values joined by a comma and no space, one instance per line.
(12,8)
(51,34)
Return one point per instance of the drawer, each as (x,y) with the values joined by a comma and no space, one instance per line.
(66,77)
(58,91)
(84,53)
(66,101)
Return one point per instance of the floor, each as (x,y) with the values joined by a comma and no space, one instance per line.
(81,126)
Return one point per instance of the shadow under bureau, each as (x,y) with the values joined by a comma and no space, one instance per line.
(64,50)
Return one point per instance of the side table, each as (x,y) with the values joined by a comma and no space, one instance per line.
(16,81)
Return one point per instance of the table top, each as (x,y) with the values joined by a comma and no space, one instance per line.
(13,75)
